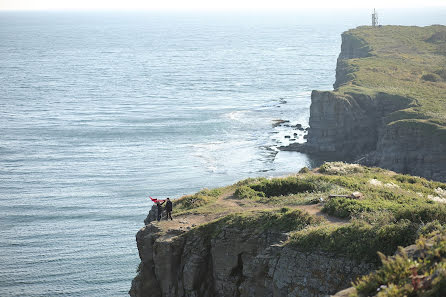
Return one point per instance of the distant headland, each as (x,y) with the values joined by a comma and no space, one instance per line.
(388,106)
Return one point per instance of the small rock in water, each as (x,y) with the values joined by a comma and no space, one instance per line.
(277,123)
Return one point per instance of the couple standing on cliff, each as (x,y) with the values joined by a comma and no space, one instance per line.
(168,209)
(159,208)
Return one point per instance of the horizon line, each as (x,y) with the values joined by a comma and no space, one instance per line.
(266,9)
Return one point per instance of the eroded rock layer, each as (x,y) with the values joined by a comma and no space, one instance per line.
(235,262)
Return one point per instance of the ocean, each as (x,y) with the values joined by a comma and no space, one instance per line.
(99,110)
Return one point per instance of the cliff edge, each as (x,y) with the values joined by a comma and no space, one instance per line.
(388,106)
(309,234)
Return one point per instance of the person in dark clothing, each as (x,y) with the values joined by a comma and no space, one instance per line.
(169,209)
(159,209)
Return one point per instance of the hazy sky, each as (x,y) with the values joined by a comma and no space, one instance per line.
(209,4)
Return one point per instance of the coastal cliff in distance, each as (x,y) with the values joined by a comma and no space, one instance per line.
(388,107)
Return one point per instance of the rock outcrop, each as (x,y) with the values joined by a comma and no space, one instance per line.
(235,261)
(352,125)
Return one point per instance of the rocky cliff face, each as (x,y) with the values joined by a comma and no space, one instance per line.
(235,262)
(349,124)
(410,149)
(351,48)
(354,126)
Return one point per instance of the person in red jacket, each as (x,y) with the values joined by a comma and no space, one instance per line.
(159,209)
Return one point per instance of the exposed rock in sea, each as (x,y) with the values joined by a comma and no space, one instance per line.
(277,123)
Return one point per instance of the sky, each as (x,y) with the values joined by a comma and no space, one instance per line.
(212,5)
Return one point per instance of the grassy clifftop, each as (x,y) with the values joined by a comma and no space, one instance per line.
(407,62)
(358,213)
(393,209)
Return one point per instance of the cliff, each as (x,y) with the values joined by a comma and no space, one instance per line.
(236,261)
(389,103)
(285,236)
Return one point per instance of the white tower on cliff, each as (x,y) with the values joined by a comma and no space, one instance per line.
(374,18)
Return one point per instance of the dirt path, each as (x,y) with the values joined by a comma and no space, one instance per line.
(183,223)
(313,209)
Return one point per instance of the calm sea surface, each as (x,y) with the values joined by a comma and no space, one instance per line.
(99,110)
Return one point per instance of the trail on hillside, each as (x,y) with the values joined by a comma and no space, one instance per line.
(229,204)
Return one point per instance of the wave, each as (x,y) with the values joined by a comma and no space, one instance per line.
(238,115)
(215,156)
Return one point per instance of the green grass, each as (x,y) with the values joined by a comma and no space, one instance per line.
(280,187)
(358,240)
(404,62)
(406,197)
(279,220)
(394,211)
(197,202)
(288,191)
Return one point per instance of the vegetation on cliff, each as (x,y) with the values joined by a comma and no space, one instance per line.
(408,63)
(422,275)
(337,219)
(394,209)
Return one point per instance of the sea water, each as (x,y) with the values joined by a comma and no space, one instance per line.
(100,110)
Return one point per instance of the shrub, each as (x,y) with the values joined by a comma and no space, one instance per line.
(441,73)
(284,220)
(431,77)
(431,227)
(305,170)
(345,207)
(321,184)
(340,168)
(357,240)
(245,192)
(437,37)
(249,181)
(202,198)
(283,186)
(394,278)
(379,217)
(404,178)
(422,213)
(212,193)
(192,201)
